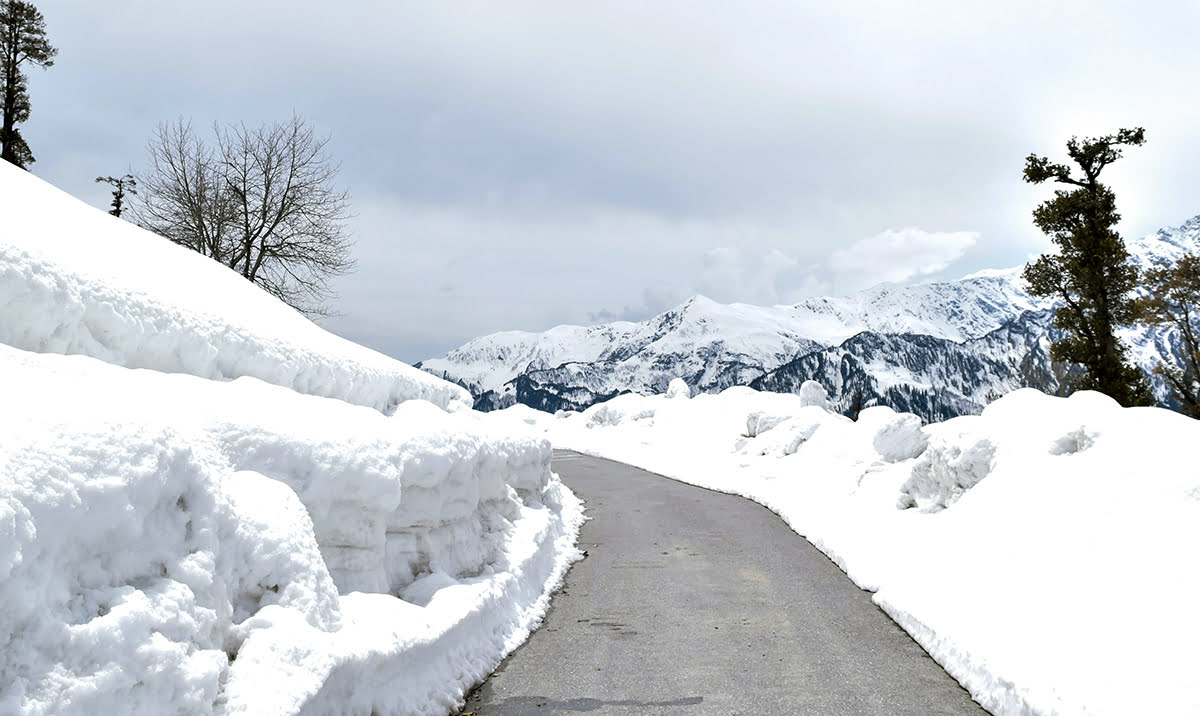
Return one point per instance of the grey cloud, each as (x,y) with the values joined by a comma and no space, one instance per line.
(549,160)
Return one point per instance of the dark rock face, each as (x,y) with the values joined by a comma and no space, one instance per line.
(934,378)
(937,350)
(931,377)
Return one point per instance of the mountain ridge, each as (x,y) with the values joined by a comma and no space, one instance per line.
(937,349)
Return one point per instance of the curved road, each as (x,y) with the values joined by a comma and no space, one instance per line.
(695,602)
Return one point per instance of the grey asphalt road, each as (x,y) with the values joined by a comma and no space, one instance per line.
(695,602)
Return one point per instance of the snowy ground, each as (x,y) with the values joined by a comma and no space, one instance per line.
(1044,552)
(209,504)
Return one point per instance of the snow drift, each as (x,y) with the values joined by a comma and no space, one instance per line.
(271,521)
(1048,562)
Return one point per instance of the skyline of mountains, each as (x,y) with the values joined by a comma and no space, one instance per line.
(935,349)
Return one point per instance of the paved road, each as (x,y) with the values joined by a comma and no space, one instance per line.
(694,602)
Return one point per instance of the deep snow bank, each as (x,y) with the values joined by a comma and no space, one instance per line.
(168,540)
(1048,564)
(75,280)
(221,508)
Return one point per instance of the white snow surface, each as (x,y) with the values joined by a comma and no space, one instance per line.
(75,280)
(1047,558)
(319,538)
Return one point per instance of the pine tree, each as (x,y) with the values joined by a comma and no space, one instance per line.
(22,41)
(1173,297)
(122,186)
(1091,274)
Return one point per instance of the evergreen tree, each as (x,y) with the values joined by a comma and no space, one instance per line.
(1091,274)
(1174,298)
(22,41)
(121,187)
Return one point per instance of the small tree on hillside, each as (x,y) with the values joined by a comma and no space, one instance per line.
(122,186)
(22,41)
(1091,275)
(1174,298)
(262,202)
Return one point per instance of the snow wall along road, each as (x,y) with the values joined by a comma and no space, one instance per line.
(210,504)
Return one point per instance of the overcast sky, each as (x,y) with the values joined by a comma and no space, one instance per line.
(516,165)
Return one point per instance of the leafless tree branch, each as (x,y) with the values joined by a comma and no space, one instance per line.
(263,202)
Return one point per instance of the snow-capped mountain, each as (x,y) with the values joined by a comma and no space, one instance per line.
(936,349)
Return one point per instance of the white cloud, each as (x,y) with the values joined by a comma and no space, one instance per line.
(897,256)
(527,163)
(763,276)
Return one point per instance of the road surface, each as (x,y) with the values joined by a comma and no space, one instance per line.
(695,602)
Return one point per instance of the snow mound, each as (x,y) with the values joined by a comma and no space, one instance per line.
(625,408)
(898,436)
(76,280)
(784,436)
(960,454)
(965,450)
(760,422)
(678,389)
(813,393)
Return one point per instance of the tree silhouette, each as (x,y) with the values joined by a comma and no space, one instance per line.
(22,41)
(122,186)
(1091,274)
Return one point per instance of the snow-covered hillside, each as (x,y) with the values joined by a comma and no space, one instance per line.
(1043,552)
(714,345)
(935,378)
(76,280)
(701,338)
(210,505)
(938,349)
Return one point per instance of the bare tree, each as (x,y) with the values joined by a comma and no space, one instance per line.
(183,193)
(263,202)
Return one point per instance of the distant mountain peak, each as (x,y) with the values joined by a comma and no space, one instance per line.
(937,349)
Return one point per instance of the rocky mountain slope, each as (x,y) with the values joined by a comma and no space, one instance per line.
(937,349)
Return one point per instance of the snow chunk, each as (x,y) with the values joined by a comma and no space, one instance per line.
(813,393)
(898,436)
(1075,441)
(784,434)
(760,422)
(959,455)
(678,389)
(622,409)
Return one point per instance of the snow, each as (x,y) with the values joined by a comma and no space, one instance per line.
(678,389)
(943,348)
(210,505)
(1047,555)
(701,337)
(76,280)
